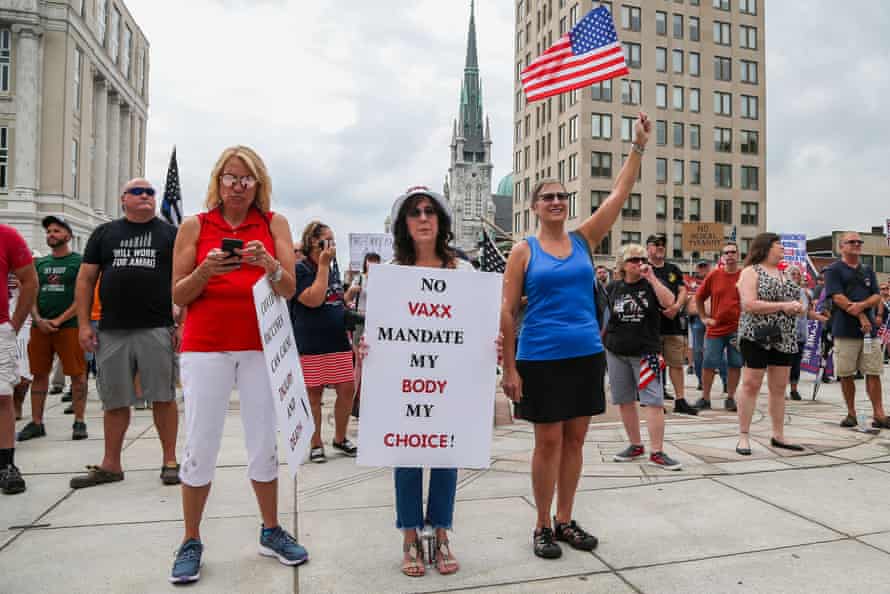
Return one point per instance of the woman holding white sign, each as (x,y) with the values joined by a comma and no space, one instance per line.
(557,373)
(218,257)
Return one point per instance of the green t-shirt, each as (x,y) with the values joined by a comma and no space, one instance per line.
(57,278)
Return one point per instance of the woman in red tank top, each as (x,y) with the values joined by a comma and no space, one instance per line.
(221,348)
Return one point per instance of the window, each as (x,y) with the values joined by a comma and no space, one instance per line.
(525,157)
(631,90)
(597,197)
(78,67)
(677,61)
(600,164)
(694,29)
(4,156)
(679,134)
(678,98)
(661,23)
(573,205)
(573,15)
(749,107)
(143,66)
(125,52)
(750,213)
(722,175)
(695,100)
(722,4)
(748,6)
(678,245)
(605,246)
(517,220)
(661,58)
(573,96)
(74,156)
(750,178)
(561,136)
(749,142)
(601,126)
(525,220)
(744,247)
(601,91)
(5,63)
(573,166)
(101,15)
(723,211)
(661,207)
(679,206)
(695,63)
(722,68)
(661,96)
(573,129)
(678,26)
(632,208)
(679,168)
(627,129)
(561,171)
(661,134)
(632,54)
(695,173)
(630,18)
(114,34)
(695,209)
(630,237)
(694,136)
(747,37)
(749,72)
(722,33)
(723,140)
(722,103)
(661,171)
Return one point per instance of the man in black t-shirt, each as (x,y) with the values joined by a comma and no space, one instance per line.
(673,328)
(137,333)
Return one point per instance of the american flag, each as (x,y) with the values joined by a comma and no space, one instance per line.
(490,257)
(587,54)
(171,205)
(884,332)
(651,367)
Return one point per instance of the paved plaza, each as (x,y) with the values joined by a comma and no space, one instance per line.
(775,522)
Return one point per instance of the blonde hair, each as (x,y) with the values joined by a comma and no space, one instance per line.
(630,250)
(263,198)
(540,185)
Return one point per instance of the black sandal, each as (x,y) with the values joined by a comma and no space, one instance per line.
(785,446)
(743,451)
(577,537)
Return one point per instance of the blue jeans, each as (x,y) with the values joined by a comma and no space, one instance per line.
(719,353)
(409,498)
(698,344)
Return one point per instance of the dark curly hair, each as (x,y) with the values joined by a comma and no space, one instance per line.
(403,245)
(760,248)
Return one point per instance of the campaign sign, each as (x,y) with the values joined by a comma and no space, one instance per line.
(364,243)
(795,247)
(285,374)
(428,380)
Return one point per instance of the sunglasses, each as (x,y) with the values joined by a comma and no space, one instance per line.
(246,181)
(854,242)
(635,260)
(415,213)
(728,252)
(141,191)
(561,196)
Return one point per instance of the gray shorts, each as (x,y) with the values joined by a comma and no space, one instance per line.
(624,377)
(124,353)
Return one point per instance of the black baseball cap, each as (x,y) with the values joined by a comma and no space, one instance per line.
(56,220)
(701,263)
(657,238)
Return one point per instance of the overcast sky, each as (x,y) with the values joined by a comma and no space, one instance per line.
(350,103)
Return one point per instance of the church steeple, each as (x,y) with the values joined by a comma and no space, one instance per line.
(471,116)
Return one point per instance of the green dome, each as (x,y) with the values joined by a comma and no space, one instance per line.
(505,188)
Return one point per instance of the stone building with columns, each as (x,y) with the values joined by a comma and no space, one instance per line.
(73,112)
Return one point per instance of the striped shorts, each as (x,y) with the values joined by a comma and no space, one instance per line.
(328,369)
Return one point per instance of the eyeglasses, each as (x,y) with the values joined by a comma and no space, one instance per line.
(635,260)
(141,191)
(429,211)
(854,242)
(246,181)
(554,196)
(727,252)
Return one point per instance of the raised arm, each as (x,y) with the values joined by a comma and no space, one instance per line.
(598,224)
(662,292)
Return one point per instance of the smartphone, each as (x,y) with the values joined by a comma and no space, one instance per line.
(324,243)
(229,245)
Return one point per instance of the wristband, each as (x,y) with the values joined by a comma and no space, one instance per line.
(638,148)
(278,274)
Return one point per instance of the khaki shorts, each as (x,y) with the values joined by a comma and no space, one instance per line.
(673,349)
(64,343)
(848,357)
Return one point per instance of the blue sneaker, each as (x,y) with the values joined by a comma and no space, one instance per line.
(275,542)
(187,565)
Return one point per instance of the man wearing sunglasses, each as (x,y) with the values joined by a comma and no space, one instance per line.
(853,287)
(134,255)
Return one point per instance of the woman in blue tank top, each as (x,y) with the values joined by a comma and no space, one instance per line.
(556,377)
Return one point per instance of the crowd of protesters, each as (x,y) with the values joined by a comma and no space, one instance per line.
(148,306)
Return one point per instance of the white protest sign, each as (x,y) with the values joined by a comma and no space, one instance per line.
(364,243)
(428,381)
(285,374)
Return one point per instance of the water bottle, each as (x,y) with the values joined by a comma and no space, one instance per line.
(866,345)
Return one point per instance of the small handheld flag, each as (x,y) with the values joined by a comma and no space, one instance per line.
(171,205)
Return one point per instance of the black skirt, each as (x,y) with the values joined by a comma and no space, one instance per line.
(562,389)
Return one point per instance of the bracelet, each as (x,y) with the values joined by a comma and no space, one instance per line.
(638,148)
(278,274)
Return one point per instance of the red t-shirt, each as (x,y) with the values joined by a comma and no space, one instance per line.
(726,306)
(14,254)
(223,317)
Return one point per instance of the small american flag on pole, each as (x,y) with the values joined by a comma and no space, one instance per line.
(587,54)
(171,205)
(490,258)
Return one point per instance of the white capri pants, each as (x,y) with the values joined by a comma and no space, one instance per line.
(207,383)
